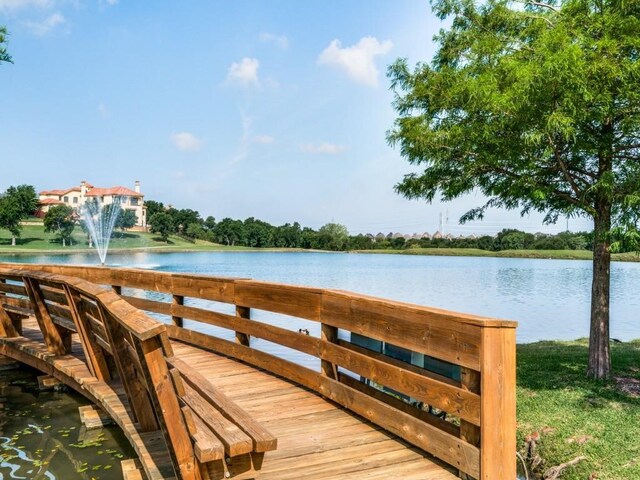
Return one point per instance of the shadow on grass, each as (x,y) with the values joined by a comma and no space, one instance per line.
(548,366)
(124,235)
(160,240)
(19,241)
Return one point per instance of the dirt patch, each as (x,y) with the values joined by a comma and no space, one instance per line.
(628,385)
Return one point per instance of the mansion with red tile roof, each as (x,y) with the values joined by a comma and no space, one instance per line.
(77,196)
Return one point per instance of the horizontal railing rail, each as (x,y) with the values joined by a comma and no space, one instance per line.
(460,369)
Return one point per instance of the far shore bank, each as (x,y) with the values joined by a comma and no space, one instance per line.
(475,252)
(185,247)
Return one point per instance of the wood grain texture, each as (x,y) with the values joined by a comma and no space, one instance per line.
(498,385)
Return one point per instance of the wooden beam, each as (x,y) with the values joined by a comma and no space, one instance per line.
(243,338)
(498,411)
(177,300)
(329,333)
(54,339)
(165,404)
(93,352)
(136,393)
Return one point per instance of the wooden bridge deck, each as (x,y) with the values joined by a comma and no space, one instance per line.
(317,439)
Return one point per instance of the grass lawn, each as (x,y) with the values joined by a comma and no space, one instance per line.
(476,252)
(33,239)
(575,416)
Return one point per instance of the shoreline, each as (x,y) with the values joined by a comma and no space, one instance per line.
(583,255)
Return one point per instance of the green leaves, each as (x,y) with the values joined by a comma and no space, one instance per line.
(537,107)
(4,55)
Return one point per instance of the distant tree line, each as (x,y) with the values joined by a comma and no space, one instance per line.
(18,203)
(253,232)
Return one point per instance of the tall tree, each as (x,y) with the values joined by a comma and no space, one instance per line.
(162,224)
(537,106)
(60,220)
(16,204)
(4,55)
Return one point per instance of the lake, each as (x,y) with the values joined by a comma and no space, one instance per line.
(549,298)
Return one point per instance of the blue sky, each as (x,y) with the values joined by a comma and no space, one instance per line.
(272,109)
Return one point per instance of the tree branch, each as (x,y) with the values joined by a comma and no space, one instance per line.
(563,167)
(543,5)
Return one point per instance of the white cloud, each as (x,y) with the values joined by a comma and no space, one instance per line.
(357,61)
(186,141)
(12,5)
(263,139)
(45,26)
(280,41)
(323,148)
(244,73)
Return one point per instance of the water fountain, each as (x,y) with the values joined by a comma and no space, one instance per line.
(100,221)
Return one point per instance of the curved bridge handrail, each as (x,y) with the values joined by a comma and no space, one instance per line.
(109,328)
(466,363)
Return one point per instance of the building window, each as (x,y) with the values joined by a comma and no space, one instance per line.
(66,199)
(134,201)
(75,200)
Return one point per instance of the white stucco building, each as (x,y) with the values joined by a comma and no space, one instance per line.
(77,196)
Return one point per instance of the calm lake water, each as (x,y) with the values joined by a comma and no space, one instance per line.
(549,298)
(41,436)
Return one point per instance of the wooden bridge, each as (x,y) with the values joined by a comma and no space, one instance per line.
(392,390)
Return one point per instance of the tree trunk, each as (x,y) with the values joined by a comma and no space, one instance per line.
(64,242)
(13,241)
(599,352)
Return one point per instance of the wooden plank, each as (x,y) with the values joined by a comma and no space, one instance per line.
(431,439)
(262,439)
(136,322)
(168,411)
(235,441)
(54,339)
(13,289)
(93,417)
(148,305)
(207,446)
(243,338)
(286,299)
(498,386)
(416,329)
(398,404)
(399,363)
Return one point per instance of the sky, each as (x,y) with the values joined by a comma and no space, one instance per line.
(270,109)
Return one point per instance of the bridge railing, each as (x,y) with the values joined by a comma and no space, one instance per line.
(115,337)
(378,358)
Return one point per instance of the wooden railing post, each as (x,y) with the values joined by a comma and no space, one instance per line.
(243,338)
(329,334)
(57,342)
(470,433)
(167,408)
(498,404)
(178,300)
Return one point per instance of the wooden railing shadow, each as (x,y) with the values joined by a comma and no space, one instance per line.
(461,366)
